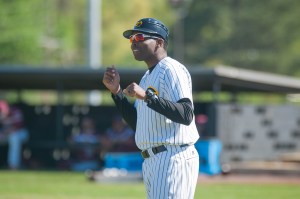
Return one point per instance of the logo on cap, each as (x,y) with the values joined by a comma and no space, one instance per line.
(139,23)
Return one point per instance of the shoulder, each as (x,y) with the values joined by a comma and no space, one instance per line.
(171,64)
(168,63)
(172,67)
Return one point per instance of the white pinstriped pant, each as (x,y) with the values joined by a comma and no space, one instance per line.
(172,174)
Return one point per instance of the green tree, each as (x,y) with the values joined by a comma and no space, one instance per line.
(119,16)
(20,28)
(54,32)
(38,32)
(259,35)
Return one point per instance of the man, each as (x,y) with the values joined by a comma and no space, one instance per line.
(84,151)
(162,114)
(119,137)
(12,131)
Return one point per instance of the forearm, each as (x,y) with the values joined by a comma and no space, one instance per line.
(126,109)
(181,111)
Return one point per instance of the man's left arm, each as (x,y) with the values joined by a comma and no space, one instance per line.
(181,111)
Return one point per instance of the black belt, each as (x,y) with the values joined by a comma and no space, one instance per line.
(157,149)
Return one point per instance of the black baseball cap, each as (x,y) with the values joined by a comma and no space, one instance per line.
(150,26)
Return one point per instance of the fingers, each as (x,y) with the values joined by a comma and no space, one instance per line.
(129,91)
(110,75)
(111,79)
(110,72)
(134,90)
(126,92)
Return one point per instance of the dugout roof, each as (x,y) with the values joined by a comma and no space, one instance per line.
(220,78)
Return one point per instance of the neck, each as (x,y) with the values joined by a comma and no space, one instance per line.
(155,60)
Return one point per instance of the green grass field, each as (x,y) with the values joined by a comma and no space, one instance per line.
(69,185)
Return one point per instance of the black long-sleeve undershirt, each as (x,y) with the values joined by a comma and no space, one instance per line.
(126,109)
(180,112)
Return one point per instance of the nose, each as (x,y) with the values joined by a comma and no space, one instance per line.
(134,41)
(133,44)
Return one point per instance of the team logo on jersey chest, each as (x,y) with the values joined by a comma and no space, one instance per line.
(155,91)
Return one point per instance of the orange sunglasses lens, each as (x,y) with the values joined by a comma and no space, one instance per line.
(137,37)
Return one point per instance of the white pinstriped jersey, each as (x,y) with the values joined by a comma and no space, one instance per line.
(173,82)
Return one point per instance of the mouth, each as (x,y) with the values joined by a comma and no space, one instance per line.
(135,51)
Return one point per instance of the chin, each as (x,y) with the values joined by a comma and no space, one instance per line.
(138,58)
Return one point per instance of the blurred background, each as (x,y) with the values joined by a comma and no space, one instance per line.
(245,34)
(244,58)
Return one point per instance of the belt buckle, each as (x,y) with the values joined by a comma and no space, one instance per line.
(145,154)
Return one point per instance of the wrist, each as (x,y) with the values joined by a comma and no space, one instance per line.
(117,91)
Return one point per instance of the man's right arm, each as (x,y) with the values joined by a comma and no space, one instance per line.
(126,109)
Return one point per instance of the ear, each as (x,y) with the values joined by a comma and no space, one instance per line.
(160,42)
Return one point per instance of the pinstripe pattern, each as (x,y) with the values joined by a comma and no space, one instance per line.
(171,174)
(173,82)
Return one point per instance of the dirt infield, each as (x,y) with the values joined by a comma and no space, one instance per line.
(250,178)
